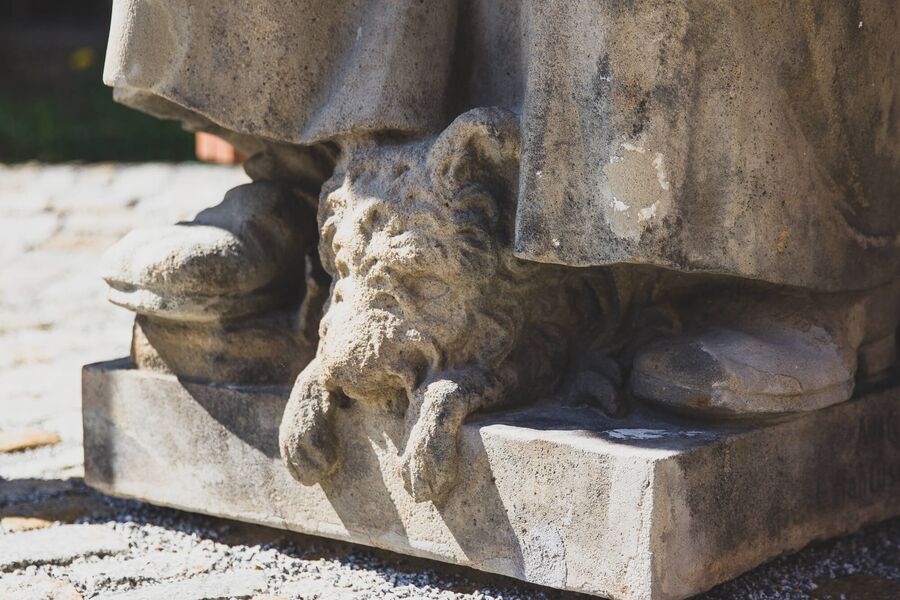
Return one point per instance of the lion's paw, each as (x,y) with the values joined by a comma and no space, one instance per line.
(308,451)
(306,438)
(429,467)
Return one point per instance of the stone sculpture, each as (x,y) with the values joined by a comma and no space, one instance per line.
(218,297)
(430,314)
(624,205)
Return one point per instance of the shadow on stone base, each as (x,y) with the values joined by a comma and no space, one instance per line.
(648,507)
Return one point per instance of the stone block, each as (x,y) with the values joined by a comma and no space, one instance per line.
(646,507)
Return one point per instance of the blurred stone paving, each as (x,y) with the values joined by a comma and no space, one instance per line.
(61,540)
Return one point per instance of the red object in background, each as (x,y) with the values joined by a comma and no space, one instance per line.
(210,148)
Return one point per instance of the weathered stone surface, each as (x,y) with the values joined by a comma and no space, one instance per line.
(746,355)
(265,349)
(15,441)
(691,138)
(242,256)
(431,314)
(641,508)
(58,545)
(237,584)
(756,139)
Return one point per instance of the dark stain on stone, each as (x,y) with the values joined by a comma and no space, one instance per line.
(641,117)
(665,95)
(604,76)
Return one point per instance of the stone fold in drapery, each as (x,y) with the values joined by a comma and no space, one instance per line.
(757,139)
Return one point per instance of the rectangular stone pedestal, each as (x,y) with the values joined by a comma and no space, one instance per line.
(645,507)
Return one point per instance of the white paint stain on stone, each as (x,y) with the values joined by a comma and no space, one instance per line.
(618,205)
(661,176)
(639,188)
(647,213)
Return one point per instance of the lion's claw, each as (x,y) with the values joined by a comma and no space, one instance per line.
(428,468)
(306,438)
(309,452)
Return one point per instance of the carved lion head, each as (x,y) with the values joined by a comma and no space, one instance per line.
(417,238)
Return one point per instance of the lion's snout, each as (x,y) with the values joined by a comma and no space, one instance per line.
(362,343)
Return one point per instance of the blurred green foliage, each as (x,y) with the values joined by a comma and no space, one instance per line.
(80,121)
(53,104)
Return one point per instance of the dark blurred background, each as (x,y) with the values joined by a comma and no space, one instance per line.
(53,104)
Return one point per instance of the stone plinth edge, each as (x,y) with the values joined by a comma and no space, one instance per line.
(648,507)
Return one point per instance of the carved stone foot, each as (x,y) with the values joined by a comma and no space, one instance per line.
(766,355)
(266,349)
(218,298)
(240,257)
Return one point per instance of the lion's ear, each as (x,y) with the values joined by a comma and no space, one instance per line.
(480,145)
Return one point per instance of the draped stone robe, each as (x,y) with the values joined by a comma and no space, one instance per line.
(756,138)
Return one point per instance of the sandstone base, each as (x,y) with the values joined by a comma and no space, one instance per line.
(642,508)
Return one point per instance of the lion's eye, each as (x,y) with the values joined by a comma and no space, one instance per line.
(427,288)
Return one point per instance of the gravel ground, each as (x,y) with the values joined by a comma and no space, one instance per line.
(59,539)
